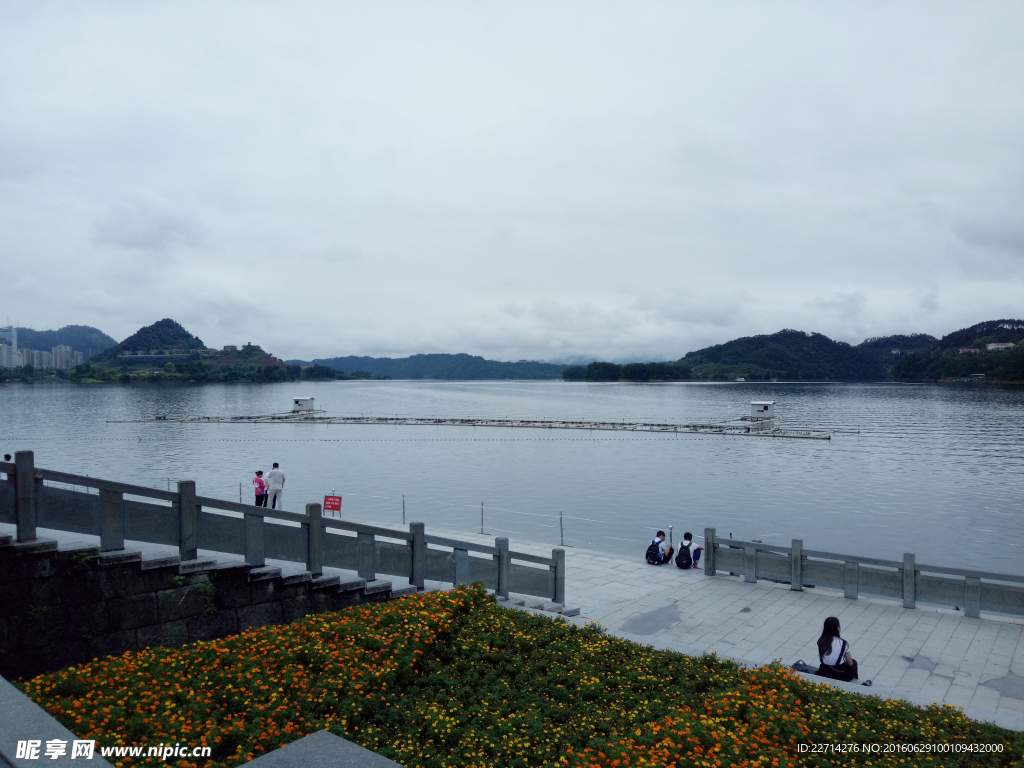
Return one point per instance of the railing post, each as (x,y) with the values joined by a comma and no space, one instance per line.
(750,564)
(796,566)
(111,520)
(25,480)
(909,581)
(504,563)
(255,544)
(419,555)
(314,539)
(188,521)
(558,555)
(972,597)
(461,557)
(367,544)
(851,582)
(709,551)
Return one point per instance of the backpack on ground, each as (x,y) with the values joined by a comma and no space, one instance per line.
(653,555)
(684,559)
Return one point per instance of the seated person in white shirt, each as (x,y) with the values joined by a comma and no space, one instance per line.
(834,653)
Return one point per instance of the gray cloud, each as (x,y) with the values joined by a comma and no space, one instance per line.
(146,227)
(520,181)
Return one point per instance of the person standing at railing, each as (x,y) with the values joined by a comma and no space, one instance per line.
(261,488)
(275,478)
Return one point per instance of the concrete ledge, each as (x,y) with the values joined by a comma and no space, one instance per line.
(119,557)
(264,574)
(5,540)
(403,591)
(378,585)
(297,578)
(567,611)
(36,545)
(22,720)
(322,750)
(197,566)
(348,585)
(325,582)
(159,562)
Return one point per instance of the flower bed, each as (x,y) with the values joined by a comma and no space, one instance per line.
(451,679)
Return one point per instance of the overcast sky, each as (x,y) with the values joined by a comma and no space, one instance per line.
(518,180)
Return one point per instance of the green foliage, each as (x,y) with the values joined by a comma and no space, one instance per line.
(451,679)
(988,332)
(575,373)
(788,354)
(439,366)
(942,364)
(81,338)
(161,335)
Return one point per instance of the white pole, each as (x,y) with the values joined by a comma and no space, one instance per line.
(561,528)
(481,517)
(403,509)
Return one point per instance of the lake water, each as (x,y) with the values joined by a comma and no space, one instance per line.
(935,470)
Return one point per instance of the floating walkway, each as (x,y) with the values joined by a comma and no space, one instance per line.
(747,426)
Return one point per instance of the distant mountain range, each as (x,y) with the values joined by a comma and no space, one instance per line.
(800,356)
(439,366)
(787,355)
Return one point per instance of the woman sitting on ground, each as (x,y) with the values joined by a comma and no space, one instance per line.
(834,653)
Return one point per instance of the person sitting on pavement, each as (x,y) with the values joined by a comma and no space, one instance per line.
(659,551)
(834,653)
(689,555)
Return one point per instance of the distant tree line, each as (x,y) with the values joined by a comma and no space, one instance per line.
(938,364)
(600,371)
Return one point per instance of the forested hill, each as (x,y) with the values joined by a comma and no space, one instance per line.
(989,332)
(162,335)
(889,350)
(81,338)
(440,366)
(946,361)
(789,355)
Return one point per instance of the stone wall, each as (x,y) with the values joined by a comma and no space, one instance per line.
(60,608)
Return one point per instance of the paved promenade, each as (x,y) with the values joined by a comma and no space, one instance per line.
(924,655)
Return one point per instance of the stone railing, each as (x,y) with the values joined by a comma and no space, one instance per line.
(906,580)
(31,498)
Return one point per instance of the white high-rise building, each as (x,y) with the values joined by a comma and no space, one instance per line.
(65,357)
(9,356)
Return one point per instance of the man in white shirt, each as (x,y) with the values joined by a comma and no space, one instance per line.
(275,479)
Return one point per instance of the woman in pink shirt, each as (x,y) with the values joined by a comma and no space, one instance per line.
(261,488)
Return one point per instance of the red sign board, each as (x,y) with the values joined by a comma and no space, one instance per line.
(332,503)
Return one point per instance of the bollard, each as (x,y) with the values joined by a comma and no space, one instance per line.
(111,520)
(504,563)
(255,547)
(314,539)
(25,488)
(558,555)
(188,521)
(709,551)
(796,566)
